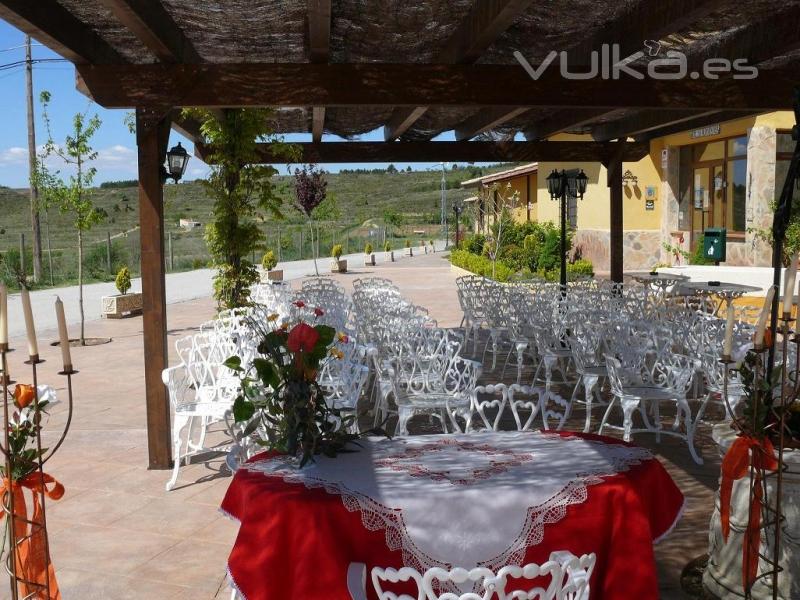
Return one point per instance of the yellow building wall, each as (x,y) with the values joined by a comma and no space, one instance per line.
(593,210)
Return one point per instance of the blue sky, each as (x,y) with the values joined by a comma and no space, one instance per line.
(116,146)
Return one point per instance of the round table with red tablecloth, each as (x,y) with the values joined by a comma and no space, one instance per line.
(480,499)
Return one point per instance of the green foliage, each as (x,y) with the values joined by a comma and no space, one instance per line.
(698,257)
(282,398)
(242,191)
(268,261)
(475,243)
(387,247)
(124,183)
(408,243)
(480,265)
(337,251)
(368,248)
(123,280)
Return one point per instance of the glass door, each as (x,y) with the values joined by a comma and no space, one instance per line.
(709,198)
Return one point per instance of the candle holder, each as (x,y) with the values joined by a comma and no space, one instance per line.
(27,534)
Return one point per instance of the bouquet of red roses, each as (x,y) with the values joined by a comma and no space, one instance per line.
(280,395)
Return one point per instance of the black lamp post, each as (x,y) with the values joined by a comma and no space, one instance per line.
(563,185)
(177,158)
(458,208)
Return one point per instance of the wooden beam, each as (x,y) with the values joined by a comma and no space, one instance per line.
(643,122)
(150,22)
(317,123)
(487,119)
(709,118)
(319,45)
(152,134)
(485,22)
(344,152)
(319,30)
(562,120)
(276,84)
(401,121)
(616,224)
(58,29)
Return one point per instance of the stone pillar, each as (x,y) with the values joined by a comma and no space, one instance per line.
(760,190)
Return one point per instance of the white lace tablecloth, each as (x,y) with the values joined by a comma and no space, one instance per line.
(465,500)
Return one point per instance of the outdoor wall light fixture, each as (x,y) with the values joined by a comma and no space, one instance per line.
(563,185)
(177,158)
(629,178)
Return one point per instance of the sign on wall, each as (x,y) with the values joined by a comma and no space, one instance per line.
(650,194)
(705,131)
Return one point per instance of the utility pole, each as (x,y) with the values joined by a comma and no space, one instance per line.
(35,225)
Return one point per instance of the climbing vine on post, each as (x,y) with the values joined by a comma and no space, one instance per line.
(243,192)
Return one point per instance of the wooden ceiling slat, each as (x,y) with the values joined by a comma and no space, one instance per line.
(562,120)
(486,120)
(485,22)
(150,22)
(58,29)
(708,119)
(643,122)
(341,152)
(364,84)
(319,45)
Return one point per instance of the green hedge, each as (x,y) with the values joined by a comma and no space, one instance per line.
(480,265)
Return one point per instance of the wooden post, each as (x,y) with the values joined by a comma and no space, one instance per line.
(152,134)
(108,252)
(616,227)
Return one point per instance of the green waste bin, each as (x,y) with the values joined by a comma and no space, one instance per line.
(714,243)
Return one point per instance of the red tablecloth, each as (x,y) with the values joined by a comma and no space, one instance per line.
(297,542)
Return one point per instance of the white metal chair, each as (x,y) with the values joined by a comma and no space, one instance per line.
(564,577)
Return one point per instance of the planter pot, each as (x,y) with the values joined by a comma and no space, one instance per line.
(409,252)
(275,275)
(390,256)
(338,266)
(433,249)
(723,576)
(369,260)
(121,305)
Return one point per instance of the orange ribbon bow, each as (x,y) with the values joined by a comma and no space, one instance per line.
(744,451)
(33,562)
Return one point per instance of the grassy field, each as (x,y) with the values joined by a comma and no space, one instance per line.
(362,200)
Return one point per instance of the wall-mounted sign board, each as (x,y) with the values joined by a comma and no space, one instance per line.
(705,131)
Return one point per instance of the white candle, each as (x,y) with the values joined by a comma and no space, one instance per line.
(30,328)
(63,336)
(728,347)
(3,314)
(788,285)
(762,319)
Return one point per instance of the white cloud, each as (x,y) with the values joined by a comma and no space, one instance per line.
(13,156)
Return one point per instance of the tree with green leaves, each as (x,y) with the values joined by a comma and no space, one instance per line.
(392,219)
(243,192)
(75,195)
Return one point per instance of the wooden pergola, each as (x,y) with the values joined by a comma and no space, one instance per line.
(417,69)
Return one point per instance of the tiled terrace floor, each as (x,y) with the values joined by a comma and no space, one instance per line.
(118,535)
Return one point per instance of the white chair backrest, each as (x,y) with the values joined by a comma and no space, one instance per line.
(564,577)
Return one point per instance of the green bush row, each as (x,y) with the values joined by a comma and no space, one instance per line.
(480,265)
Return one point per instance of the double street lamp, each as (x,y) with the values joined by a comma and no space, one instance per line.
(562,186)
(458,208)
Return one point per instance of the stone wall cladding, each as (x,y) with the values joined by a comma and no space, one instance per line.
(641,248)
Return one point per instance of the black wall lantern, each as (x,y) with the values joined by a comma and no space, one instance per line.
(177,158)
(563,185)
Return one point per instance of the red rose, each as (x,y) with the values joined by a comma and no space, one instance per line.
(302,338)
(299,304)
(318,311)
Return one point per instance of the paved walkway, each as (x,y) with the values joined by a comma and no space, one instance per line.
(183,286)
(118,535)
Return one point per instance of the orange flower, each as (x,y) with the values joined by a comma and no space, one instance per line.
(273,317)
(336,353)
(342,337)
(24,395)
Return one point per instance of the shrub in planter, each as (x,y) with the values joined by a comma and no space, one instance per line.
(369,257)
(268,261)
(123,280)
(336,251)
(387,247)
(368,248)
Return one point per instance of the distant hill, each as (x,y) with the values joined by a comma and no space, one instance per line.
(362,197)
